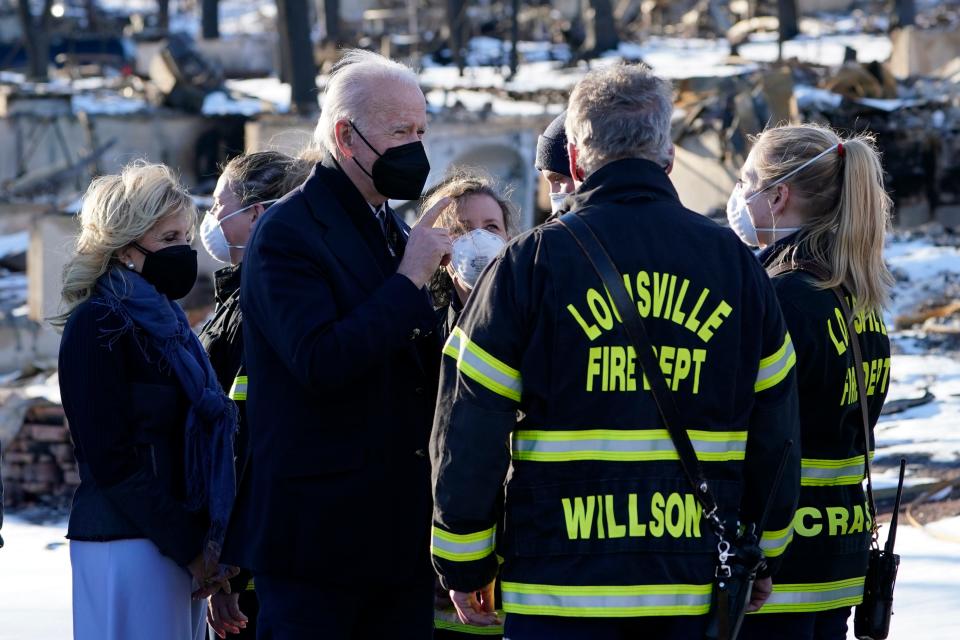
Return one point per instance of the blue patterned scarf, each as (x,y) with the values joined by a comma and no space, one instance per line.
(212,418)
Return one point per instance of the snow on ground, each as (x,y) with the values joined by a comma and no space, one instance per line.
(926,601)
(237,17)
(14,243)
(35,583)
(928,430)
(927,268)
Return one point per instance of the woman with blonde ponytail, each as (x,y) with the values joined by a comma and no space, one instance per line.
(153,432)
(809,197)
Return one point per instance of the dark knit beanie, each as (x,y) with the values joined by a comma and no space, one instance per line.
(552,148)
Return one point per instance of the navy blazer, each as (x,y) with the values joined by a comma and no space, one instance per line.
(340,354)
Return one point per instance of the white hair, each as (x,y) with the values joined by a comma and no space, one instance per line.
(353,83)
(618,112)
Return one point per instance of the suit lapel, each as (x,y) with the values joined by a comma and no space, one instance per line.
(330,201)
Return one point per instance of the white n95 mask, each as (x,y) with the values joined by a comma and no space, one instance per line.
(738,214)
(472,252)
(212,237)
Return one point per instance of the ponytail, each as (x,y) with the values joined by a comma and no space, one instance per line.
(846,207)
(864,217)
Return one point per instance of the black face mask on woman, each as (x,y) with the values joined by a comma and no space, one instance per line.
(172,270)
(399,172)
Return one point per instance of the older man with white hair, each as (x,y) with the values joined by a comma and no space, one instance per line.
(333,509)
(603,534)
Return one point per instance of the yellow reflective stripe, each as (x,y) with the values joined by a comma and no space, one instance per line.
(817,596)
(478,365)
(462,547)
(624,445)
(446,619)
(774,368)
(239,389)
(774,543)
(250,586)
(606,601)
(815,472)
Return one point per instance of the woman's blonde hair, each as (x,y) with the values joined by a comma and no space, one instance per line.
(117,211)
(461,183)
(846,207)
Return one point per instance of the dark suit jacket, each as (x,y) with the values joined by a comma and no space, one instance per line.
(340,356)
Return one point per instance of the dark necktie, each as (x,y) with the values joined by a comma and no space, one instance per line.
(385,228)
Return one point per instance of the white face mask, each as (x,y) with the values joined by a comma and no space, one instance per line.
(738,213)
(472,252)
(556,201)
(211,234)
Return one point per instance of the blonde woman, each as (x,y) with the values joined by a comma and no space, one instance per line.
(152,429)
(808,195)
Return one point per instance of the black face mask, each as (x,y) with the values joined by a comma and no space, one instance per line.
(173,270)
(399,172)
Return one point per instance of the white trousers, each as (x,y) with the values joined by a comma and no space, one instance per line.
(128,590)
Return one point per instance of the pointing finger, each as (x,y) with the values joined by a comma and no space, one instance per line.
(430,217)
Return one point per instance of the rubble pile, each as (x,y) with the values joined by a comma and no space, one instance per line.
(38,463)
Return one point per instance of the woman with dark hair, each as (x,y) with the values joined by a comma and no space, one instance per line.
(247,187)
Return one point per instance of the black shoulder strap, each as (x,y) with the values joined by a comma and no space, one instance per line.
(604,266)
(819,272)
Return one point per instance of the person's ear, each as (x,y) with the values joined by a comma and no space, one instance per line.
(258,210)
(124,256)
(575,172)
(343,133)
(672,154)
(778,204)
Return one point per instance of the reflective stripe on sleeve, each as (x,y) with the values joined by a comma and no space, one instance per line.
(624,445)
(774,543)
(832,473)
(817,596)
(462,547)
(606,602)
(239,389)
(774,368)
(480,366)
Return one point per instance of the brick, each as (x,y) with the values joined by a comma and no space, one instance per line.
(18,457)
(62,451)
(46,433)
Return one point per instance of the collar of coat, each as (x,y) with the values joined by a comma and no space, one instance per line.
(327,182)
(226,281)
(624,181)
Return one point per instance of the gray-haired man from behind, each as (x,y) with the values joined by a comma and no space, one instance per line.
(602,535)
